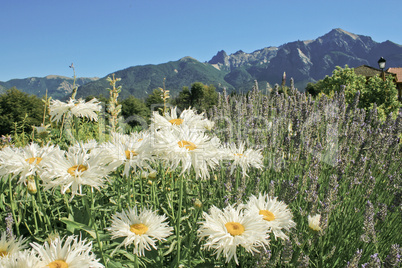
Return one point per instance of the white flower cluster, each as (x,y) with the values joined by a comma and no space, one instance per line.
(179,142)
(248,225)
(70,251)
(184,141)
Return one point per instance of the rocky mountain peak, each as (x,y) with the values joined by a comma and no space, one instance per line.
(338,32)
(220,57)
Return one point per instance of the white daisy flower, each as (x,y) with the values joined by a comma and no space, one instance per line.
(58,108)
(139,228)
(73,170)
(21,259)
(275,213)
(26,161)
(188,118)
(71,252)
(242,157)
(11,246)
(133,151)
(225,230)
(314,222)
(87,146)
(87,109)
(42,130)
(187,148)
(78,108)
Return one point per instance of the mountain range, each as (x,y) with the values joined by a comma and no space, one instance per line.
(304,61)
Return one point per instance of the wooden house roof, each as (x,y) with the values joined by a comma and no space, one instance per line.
(398,72)
(369,71)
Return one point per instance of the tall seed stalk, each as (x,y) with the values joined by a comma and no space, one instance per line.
(113,107)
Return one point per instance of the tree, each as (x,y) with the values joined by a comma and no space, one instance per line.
(210,97)
(372,90)
(134,111)
(313,89)
(383,93)
(203,97)
(19,108)
(197,94)
(343,78)
(183,101)
(156,98)
(100,98)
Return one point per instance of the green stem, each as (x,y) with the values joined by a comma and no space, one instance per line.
(136,264)
(133,188)
(17,225)
(69,211)
(178,221)
(95,227)
(39,195)
(129,188)
(62,125)
(141,190)
(34,212)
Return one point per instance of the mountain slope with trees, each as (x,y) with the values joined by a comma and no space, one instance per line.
(140,81)
(58,87)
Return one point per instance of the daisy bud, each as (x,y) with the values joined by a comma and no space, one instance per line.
(197,203)
(144,175)
(152,175)
(314,222)
(31,186)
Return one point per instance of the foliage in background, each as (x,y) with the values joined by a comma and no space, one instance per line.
(133,107)
(201,97)
(372,90)
(19,110)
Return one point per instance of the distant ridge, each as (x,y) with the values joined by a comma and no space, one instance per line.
(304,61)
(58,87)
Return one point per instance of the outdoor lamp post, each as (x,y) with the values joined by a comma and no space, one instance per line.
(381,64)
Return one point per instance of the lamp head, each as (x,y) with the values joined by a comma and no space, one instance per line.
(381,63)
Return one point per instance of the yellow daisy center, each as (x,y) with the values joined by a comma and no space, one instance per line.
(3,253)
(139,228)
(187,144)
(31,160)
(234,228)
(176,122)
(72,169)
(58,264)
(268,215)
(238,154)
(130,153)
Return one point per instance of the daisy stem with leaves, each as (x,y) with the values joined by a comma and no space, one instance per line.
(10,188)
(178,220)
(92,202)
(136,264)
(39,195)
(62,124)
(34,212)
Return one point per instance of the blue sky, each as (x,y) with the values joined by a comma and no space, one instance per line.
(43,37)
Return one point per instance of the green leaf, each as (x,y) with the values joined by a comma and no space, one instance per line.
(80,226)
